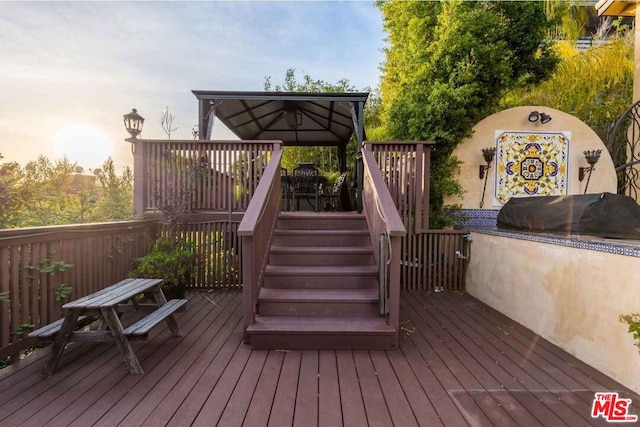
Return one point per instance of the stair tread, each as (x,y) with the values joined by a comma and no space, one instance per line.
(346,325)
(307,232)
(321,249)
(321,269)
(319,295)
(305,214)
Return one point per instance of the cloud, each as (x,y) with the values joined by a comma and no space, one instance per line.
(90,62)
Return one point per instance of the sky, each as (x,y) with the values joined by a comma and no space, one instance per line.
(70,70)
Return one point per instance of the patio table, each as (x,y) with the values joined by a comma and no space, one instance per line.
(107,305)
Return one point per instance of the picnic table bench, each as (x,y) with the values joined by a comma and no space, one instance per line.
(107,305)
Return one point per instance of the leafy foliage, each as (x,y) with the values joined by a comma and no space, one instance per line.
(63,292)
(11,193)
(633,322)
(596,85)
(50,267)
(24,327)
(447,66)
(326,158)
(46,192)
(171,260)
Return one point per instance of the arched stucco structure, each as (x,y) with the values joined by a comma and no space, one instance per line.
(581,136)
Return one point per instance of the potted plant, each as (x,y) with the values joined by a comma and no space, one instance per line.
(172,261)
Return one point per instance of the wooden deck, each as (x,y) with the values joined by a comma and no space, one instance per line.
(459,363)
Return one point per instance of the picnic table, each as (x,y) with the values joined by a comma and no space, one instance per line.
(107,306)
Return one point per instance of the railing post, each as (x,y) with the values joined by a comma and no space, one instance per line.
(138,176)
(394,285)
(359,181)
(248,278)
(419,188)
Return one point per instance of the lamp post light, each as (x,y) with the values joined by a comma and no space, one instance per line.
(133,122)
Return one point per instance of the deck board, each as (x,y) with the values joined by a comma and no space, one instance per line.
(260,407)
(283,408)
(372,396)
(329,408)
(458,363)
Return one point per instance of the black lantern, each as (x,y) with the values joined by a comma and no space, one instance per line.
(133,123)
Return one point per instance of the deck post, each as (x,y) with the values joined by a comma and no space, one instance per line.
(394,286)
(138,146)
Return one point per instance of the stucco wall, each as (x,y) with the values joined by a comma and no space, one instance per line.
(570,296)
(516,119)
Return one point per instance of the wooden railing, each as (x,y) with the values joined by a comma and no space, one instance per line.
(256,230)
(386,229)
(198,175)
(431,260)
(40,264)
(217,247)
(405,166)
(435,261)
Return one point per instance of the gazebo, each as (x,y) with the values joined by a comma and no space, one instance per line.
(295,118)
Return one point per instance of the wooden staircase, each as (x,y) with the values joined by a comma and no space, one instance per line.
(320,287)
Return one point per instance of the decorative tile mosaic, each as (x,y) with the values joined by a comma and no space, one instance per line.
(477,218)
(626,248)
(531,164)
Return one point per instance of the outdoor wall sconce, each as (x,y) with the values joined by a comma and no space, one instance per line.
(488,154)
(133,122)
(544,118)
(592,157)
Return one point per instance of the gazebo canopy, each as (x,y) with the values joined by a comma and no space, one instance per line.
(295,118)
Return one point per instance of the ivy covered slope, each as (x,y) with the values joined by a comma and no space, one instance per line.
(448,65)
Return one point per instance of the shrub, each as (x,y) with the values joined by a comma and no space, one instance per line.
(633,322)
(170,260)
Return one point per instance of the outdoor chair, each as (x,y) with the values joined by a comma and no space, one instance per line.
(332,197)
(285,185)
(305,185)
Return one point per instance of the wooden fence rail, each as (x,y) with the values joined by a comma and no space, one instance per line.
(432,260)
(256,230)
(435,261)
(39,264)
(386,230)
(218,251)
(198,175)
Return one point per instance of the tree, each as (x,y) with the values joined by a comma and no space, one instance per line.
(116,201)
(166,121)
(46,192)
(595,85)
(448,65)
(11,193)
(49,200)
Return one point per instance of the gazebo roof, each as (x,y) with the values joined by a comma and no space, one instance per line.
(295,118)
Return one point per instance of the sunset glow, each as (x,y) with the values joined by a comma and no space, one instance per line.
(84,144)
